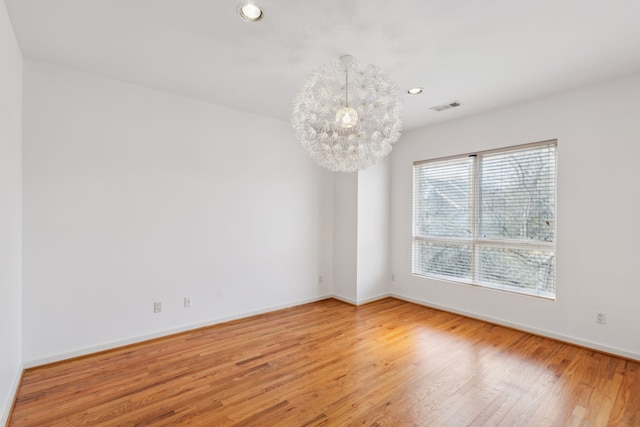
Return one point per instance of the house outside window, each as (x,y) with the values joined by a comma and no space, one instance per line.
(488,219)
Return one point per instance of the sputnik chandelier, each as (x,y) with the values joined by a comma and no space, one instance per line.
(347,117)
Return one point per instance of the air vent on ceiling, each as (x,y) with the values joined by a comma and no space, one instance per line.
(448,105)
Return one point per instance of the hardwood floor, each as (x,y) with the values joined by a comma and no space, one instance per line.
(388,363)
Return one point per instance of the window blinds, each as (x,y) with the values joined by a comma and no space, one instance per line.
(488,219)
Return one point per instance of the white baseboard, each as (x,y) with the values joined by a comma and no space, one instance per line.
(524,328)
(4,418)
(137,339)
(360,301)
(372,299)
(344,299)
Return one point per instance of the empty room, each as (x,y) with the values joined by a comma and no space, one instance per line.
(332,213)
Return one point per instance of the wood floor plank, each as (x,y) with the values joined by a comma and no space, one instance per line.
(387,363)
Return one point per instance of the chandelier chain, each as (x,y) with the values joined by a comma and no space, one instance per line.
(346,86)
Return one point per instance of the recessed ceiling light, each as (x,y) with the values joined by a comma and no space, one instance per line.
(415,91)
(250,12)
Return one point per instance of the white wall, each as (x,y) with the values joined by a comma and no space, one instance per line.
(345,237)
(361,234)
(373,232)
(598,210)
(10,213)
(133,195)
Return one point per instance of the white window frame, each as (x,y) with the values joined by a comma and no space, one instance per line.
(474,225)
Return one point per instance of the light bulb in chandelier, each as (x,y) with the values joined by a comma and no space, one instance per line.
(347,117)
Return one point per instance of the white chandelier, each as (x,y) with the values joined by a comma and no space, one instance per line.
(347,117)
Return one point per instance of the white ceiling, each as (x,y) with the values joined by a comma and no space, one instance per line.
(487,54)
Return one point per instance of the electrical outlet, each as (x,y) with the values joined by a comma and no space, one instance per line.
(157,307)
(320,279)
(601,317)
(187,301)
(393,277)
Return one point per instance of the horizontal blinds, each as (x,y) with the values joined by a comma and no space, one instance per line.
(524,270)
(488,219)
(517,195)
(443,214)
(448,260)
(442,192)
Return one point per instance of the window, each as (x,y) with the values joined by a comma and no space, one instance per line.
(488,219)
